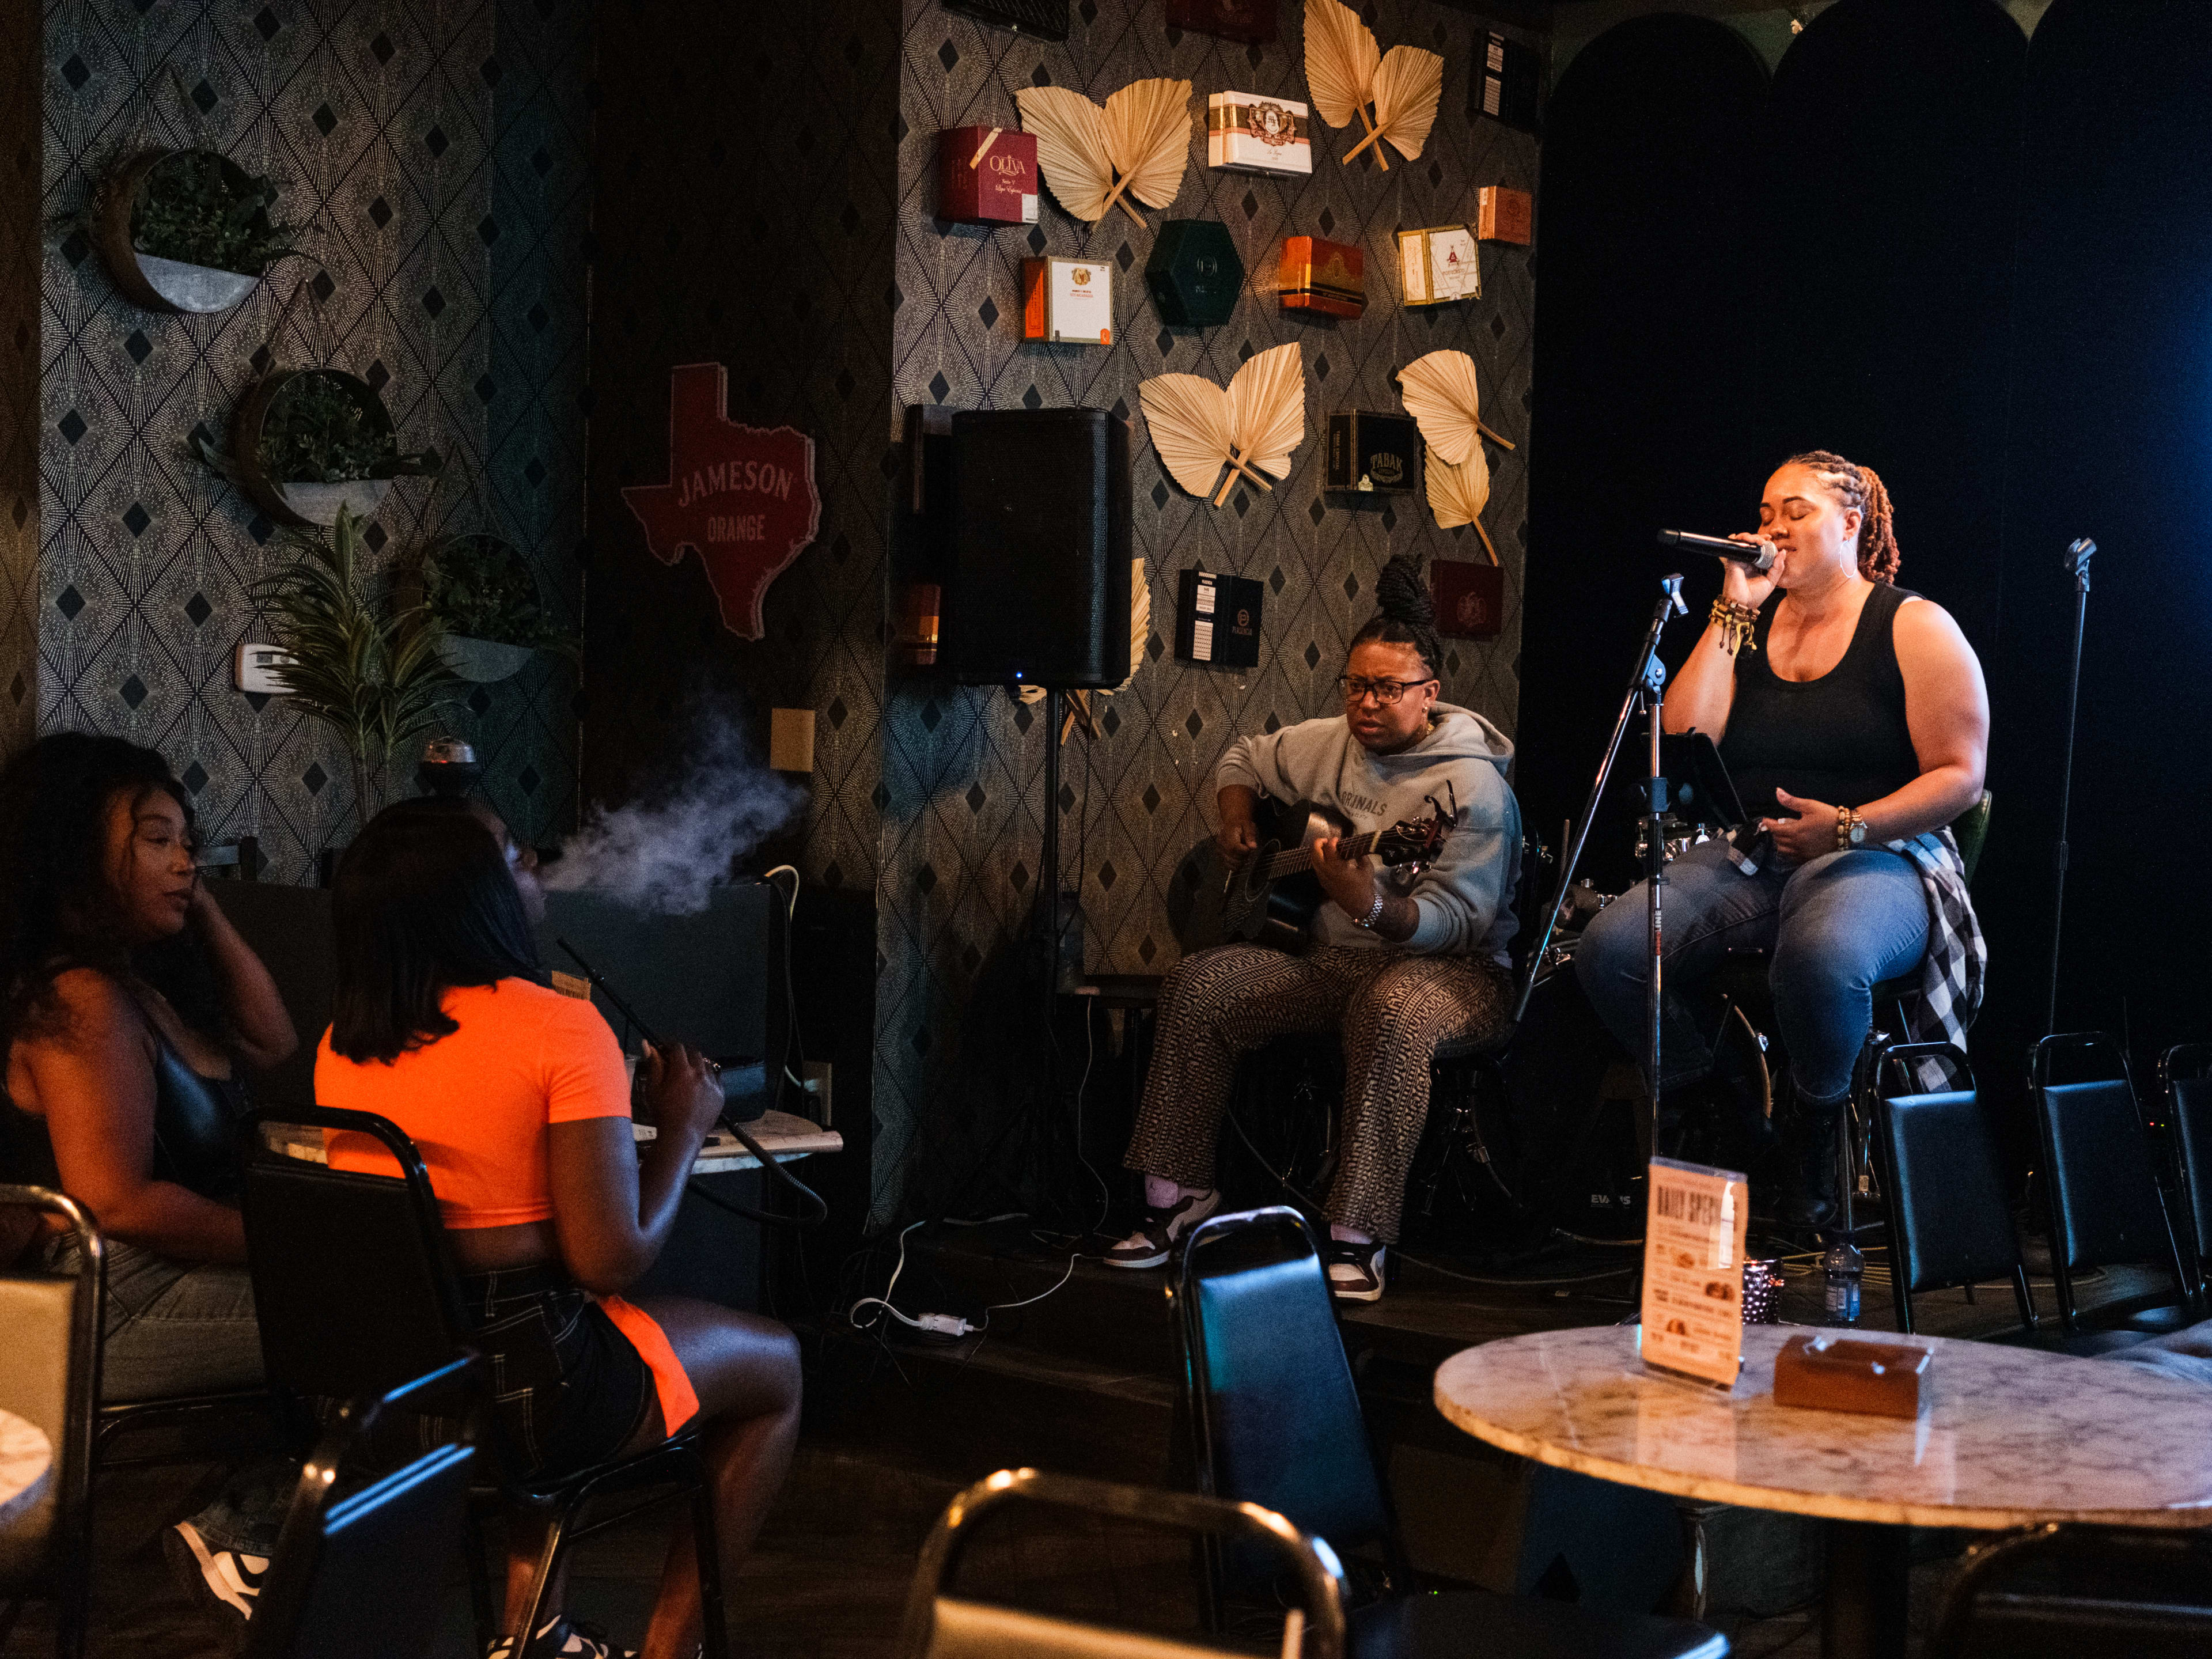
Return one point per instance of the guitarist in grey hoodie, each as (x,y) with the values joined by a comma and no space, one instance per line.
(1400,961)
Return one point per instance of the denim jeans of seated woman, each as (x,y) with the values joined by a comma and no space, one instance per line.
(1835,926)
(180,1327)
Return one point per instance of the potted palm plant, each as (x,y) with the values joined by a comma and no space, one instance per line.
(367,669)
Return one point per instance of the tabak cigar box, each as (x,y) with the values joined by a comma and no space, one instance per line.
(1252,22)
(1510,86)
(1377,453)
(1504,215)
(1319,275)
(1248,133)
(1068,300)
(1440,265)
(986,176)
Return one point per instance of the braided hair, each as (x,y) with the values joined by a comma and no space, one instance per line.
(1858,486)
(1405,613)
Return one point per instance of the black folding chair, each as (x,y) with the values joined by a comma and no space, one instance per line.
(2184,1079)
(359,1576)
(50,1376)
(1275,1421)
(356,1293)
(2106,1206)
(2059,1592)
(1950,1221)
(942,1625)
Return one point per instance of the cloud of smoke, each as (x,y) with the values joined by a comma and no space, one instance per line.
(667,851)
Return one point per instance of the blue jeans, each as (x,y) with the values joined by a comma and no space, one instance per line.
(178,1327)
(1835,926)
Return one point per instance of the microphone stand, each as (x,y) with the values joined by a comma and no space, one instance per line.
(1645,684)
(2077,561)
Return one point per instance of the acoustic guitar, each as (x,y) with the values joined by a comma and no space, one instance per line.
(1269,897)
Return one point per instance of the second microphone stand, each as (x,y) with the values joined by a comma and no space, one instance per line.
(1646,692)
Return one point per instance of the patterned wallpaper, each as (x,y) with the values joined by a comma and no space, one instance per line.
(20,213)
(437,155)
(963,770)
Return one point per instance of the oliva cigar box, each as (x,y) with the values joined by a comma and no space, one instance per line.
(1440,265)
(986,176)
(1319,275)
(1068,300)
(1248,133)
(1504,215)
(1380,453)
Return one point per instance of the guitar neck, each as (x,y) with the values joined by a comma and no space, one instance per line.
(1291,861)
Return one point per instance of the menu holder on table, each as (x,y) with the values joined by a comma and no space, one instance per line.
(1692,1317)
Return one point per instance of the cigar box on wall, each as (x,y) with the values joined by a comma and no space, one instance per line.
(986,176)
(1440,265)
(1218,619)
(1508,84)
(1246,132)
(1068,300)
(1504,215)
(1319,275)
(1252,22)
(1470,598)
(1378,454)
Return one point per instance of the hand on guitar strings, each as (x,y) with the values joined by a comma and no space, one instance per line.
(1349,882)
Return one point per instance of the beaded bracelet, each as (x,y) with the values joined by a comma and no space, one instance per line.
(1736,622)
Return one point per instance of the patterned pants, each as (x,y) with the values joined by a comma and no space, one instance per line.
(1393,1010)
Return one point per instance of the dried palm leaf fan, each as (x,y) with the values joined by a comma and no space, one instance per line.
(1346,72)
(1139,144)
(1252,427)
(1440,392)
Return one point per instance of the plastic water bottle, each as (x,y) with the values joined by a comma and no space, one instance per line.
(1841,1268)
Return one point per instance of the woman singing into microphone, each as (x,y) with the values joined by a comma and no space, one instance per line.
(1853,717)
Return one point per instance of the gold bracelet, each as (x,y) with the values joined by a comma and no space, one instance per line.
(1736,622)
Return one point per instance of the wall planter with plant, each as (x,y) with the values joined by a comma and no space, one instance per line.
(364,666)
(309,444)
(187,230)
(485,602)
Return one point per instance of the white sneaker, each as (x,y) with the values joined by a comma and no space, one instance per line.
(564,1638)
(1160,1231)
(1355,1270)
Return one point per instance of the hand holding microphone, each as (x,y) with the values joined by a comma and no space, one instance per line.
(1747,562)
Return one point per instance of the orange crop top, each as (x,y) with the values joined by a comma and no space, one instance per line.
(477,1102)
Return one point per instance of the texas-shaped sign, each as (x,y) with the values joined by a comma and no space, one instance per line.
(740,497)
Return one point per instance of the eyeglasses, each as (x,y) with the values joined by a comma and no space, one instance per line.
(1385,692)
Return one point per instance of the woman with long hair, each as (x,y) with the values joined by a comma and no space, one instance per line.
(132,1010)
(517,1098)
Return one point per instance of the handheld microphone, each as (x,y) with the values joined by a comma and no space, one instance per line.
(1759,559)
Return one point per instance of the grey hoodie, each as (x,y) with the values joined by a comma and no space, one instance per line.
(1465,898)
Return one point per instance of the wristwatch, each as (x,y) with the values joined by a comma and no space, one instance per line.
(1374,914)
(1850,829)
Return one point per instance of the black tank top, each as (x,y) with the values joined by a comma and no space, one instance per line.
(1841,738)
(195,1119)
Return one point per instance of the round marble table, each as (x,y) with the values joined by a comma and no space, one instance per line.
(2014,1436)
(26,1460)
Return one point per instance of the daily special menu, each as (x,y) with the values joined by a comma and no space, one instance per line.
(1693,1323)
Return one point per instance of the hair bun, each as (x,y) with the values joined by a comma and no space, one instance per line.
(1402,595)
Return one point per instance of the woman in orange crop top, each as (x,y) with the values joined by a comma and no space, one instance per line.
(516,1098)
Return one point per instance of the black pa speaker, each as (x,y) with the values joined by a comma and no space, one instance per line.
(1037,571)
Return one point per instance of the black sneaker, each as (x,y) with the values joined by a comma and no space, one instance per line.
(564,1638)
(1355,1270)
(232,1579)
(1156,1237)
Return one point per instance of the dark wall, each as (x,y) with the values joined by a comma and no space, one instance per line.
(21,213)
(1977,265)
(1646,347)
(437,162)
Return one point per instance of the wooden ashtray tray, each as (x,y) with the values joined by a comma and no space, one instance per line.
(1832,1373)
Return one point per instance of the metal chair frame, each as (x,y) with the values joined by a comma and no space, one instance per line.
(2185,1062)
(1319,1575)
(2039,1065)
(677,1463)
(2181,1555)
(68,1578)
